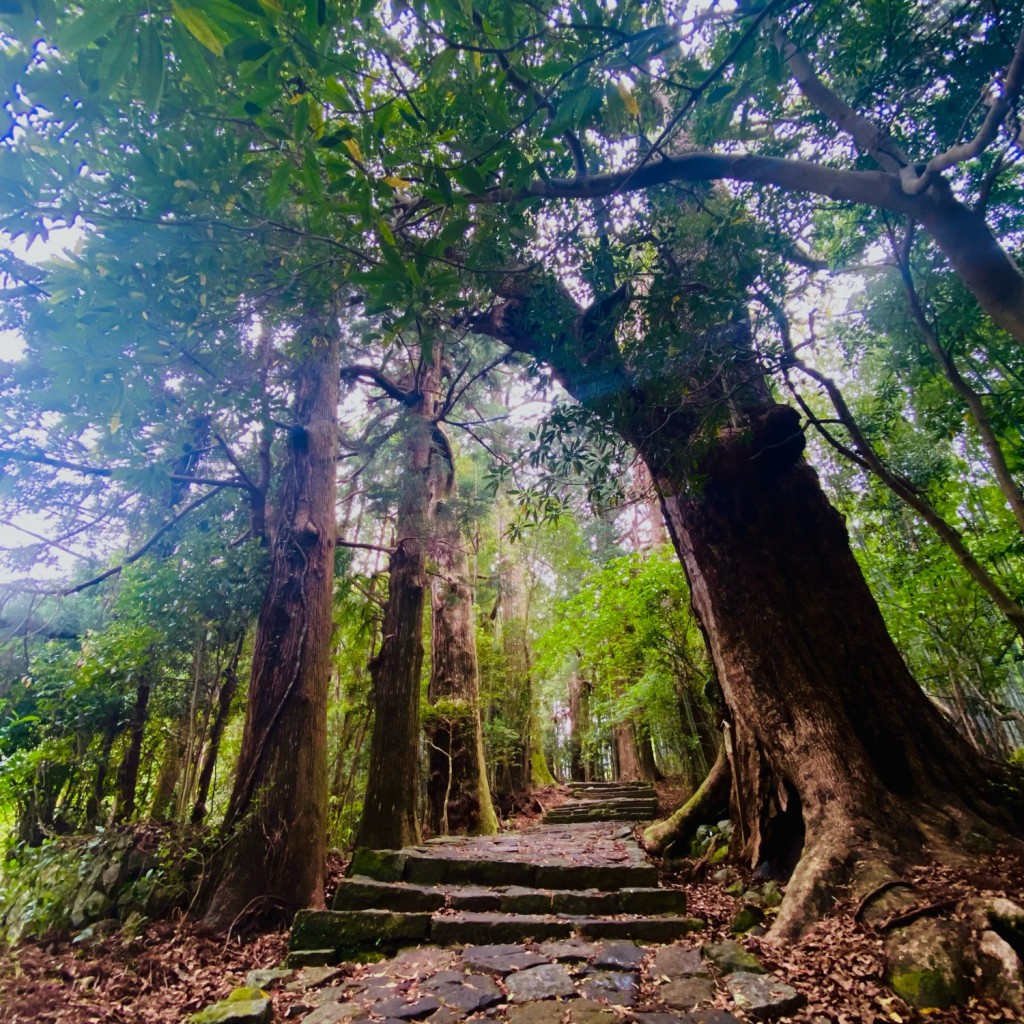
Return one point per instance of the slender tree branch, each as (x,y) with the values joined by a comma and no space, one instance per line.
(999,106)
(139,552)
(364,547)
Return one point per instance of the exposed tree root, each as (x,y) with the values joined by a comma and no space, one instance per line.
(708,804)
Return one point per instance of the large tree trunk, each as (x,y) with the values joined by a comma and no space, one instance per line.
(458,796)
(625,756)
(838,754)
(841,765)
(390,819)
(272,862)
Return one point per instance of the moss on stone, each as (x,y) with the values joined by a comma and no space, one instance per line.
(926,989)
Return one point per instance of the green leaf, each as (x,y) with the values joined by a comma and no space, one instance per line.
(151,66)
(193,59)
(210,35)
(87,29)
(277,185)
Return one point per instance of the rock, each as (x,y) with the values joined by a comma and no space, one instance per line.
(334,1013)
(446,1015)
(623,956)
(925,963)
(569,951)
(747,917)
(771,895)
(403,1009)
(468,998)
(544,982)
(90,906)
(236,1011)
(725,876)
(730,956)
(314,976)
(536,1013)
(586,1011)
(764,998)
(617,987)
(737,888)
(268,978)
(645,929)
(686,993)
(753,897)
(500,959)
(415,964)
(707,1016)
(1002,974)
(310,957)
(678,962)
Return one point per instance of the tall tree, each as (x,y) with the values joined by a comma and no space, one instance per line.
(276,821)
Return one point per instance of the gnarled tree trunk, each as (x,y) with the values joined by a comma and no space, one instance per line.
(841,763)
(273,859)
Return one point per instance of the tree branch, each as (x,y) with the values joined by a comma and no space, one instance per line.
(139,552)
(374,376)
(868,136)
(999,106)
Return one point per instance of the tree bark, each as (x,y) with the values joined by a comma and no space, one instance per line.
(838,756)
(626,755)
(457,790)
(579,723)
(390,819)
(272,862)
(225,696)
(128,774)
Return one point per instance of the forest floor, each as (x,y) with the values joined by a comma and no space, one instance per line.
(172,969)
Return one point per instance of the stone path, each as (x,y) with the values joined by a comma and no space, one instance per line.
(606,801)
(553,925)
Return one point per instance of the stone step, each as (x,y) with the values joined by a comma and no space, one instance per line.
(440,865)
(346,932)
(599,787)
(361,893)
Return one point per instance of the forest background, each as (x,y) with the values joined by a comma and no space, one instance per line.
(331,344)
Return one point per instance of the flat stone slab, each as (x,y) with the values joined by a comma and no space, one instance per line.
(547,981)
(708,1016)
(569,951)
(730,957)
(588,1011)
(651,901)
(620,956)
(334,1013)
(678,962)
(617,987)
(501,958)
(686,993)
(763,997)
(536,1013)
(473,898)
(469,998)
(413,964)
(406,1009)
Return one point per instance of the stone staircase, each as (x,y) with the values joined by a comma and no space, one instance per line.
(579,881)
(606,801)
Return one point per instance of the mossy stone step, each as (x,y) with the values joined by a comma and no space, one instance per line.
(370,894)
(348,931)
(494,928)
(434,868)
